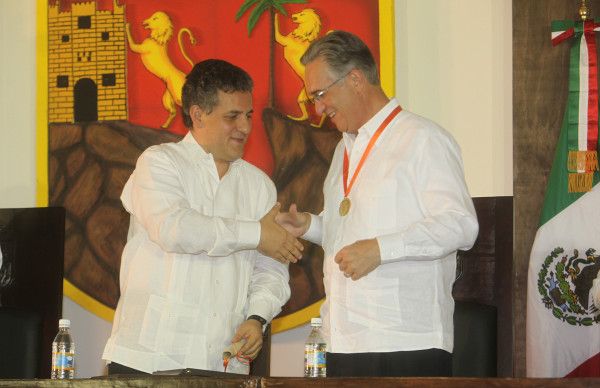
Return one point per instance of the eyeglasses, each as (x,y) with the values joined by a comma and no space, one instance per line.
(318,97)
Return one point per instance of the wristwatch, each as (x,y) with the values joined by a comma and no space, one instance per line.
(258,318)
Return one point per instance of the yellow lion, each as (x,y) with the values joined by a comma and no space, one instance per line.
(153,52)
(294,45)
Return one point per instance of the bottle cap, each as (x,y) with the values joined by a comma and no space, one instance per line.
(64,323)
(316,321)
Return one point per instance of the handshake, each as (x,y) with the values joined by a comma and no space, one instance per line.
(279,232)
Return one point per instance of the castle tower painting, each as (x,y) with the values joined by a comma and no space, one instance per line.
(86,63)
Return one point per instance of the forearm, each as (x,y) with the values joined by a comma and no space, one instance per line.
(188,231)
(157,196)
(269,288)
(433,238)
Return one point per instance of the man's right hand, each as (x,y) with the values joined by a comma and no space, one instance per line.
(275,241)
(294,222)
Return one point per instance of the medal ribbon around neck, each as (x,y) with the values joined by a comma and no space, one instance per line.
(345,204)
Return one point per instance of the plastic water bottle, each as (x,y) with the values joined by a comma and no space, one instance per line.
(63,352)
(315,351)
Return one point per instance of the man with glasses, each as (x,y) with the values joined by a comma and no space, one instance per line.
(396,210)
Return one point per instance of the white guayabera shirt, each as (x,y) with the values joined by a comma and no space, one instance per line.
(411,195)
(190,272)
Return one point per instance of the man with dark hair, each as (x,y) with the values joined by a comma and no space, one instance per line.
(195,275)
(396,210)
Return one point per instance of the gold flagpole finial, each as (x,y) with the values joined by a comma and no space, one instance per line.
(584,11)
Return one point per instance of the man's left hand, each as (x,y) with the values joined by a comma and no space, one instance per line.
(359,259)
(251,330)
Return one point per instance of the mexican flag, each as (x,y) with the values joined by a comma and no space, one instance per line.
(563,326)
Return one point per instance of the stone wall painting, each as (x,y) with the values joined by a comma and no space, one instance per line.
(113,80)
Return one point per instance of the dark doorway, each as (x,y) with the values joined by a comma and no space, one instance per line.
(85,100)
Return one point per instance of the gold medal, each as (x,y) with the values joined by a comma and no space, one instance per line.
(345,206)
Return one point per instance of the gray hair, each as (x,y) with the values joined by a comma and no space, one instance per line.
(343,52)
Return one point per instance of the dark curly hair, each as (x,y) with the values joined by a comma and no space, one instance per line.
(203,83)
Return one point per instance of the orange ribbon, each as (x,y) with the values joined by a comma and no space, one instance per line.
(383,125)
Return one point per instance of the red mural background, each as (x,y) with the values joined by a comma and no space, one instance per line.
(219,36)
(90,161)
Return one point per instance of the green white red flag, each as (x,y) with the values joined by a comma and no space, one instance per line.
(563,326)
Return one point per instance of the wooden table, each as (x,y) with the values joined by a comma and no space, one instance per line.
(296,382)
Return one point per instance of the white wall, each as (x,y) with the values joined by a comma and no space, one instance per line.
(17,103)
(453,63)
(454,66)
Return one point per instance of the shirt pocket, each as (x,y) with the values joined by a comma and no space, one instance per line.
(170,328)
(381,204)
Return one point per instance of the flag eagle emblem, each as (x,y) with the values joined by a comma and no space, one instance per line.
(565,286)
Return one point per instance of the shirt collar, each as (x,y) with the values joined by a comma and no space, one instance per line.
(370,127)
(199,155)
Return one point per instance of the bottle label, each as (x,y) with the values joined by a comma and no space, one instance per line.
(63,361)
(315,359)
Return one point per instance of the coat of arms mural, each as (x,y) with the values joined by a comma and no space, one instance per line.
(114,75)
